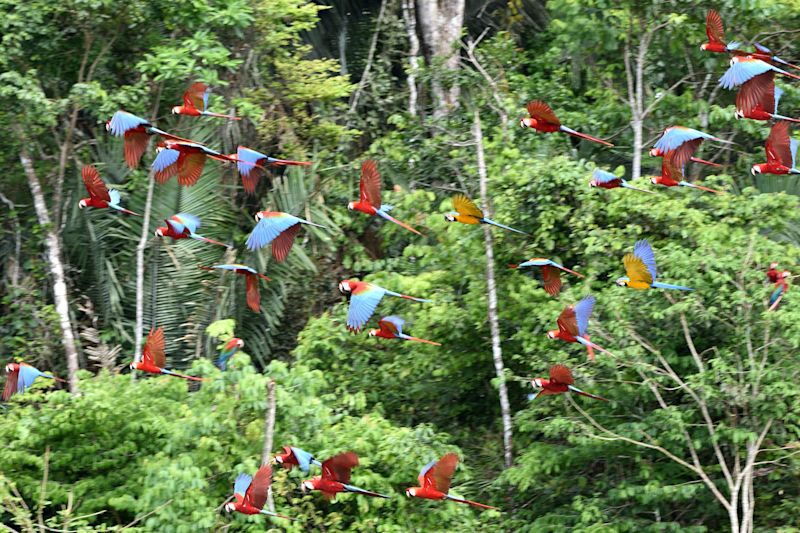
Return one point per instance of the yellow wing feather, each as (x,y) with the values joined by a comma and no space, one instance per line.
(465,206)
(636,270)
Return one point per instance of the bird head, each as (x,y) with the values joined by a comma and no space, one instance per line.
(623,281)
(9,368)
(655,152)
(654,179)
(133,365)
(773,265)
(83,203)
(536,383)
(239,343)
(307,485)
(756,169)
(230,507)
(258,216)
(786,274)
(593,183)
(278,459)
(160,232)
(344,287)
(411,492)
(527,122)
(704,46)
(450,217)
(738,114)
(552,334)
(108,125)
(176,110)
(350,206)
(373,332)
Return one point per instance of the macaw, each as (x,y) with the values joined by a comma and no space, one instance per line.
(336,476)
(277,228)
(292,457)
(364,298)
(228,351)
(781,288)
(20,377)
(467,212)
(607,180)
(682,142)
(99,195)
(762,90)
(573,323)
(434,480)
(195,102)
(560,381)
(183,226)
(370,200)
(716,43)
(757,79)
(551,278)
(251,276)
(391,327)
(773,273)
(641,269)
(154,359)
(136,132)
(670,174)
(544,120)
(184,158)
(251,493)
(251,166)
(781,152)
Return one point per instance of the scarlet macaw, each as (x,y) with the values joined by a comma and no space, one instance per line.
(781,152)
(251,166)
(251,276)
(99,195)
(370,199)
(183,226)
(773,273)
(20,377)
(670,174)
(762,90)
(364,298)
(560,381)
(251,493)
(757,80)
(277,228)
(781,288)
(391,327)
(607,180)
(184,158)
(434,480)
(467,212)
(195,102)
(544,120)
(681,142)
(641,269)
(154,358)
(716,43)
(335,477)
(551,278)
(292,457)
(136,132)
(228,351)
(573,323)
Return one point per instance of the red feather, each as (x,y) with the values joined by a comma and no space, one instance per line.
(283,243)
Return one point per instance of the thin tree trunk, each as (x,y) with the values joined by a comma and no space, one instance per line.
(343,45)
(362,83)
(491,289)
(140,248)
(53,245)
(410,18)
(441,24)
(269,430)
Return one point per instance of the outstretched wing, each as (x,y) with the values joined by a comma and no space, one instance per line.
(755,91)
(601,176)
(674,136)
(134,146)
(363,301)
(241,485)
(11,384)
(190,221)
(283,243)
(190,167)
(97,189)
(196,96)
(551,279)
(465,206)
(153,351)
(714,28)
(303,457)
(684,152)
(370,183)
(269,227)
(27,375)
(250,173)
(583,310)
(743,69)
(778,147)
(338,467)
(561,374)
(567,321)
(123,121)
(541,111)
(442,472)
(392,324)
(252,292)
(256,494)
(165,164)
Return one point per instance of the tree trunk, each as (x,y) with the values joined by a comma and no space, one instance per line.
(441,22)
(491,289)
(140,248)
(269,430)
(410,18)
(53,245)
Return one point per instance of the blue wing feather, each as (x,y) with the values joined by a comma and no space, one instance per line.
(247,160)
(397,321)
(583,310)
(303,458)
(643,251)
(776,294)
(165,158)
(115,197)
(241,484)
(793,149)
(427,467)
(27,375)
(743,71)
(268,229)
(778,92)
(602,176)
(191,222)
(675,136)
(363,305)
(123,121)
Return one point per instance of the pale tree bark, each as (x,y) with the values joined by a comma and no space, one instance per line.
(491,293)
(269,432)
(410,18)
(441,22)
(140,249)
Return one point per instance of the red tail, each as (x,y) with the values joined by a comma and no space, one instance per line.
(704,162)
(207,114)
(781,117)
(284,162)
(390,218)
(409,338)
(470,502)
(694,186)
(184,376)
(212,241)
(126,211)
(572,272)
(59,379)
(795,76)
(584,136)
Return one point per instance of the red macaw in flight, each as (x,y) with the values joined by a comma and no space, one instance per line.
(252,165)
(681,143)
(184,158)
(277,228)
(136,132)
(99,195)
(364,298)
(781,288)
(228,351)
(195,102)
(251,276)
(607,180)
(467,212)
(544,120)
(154,358)
(773,273)
(20,377)
(757,79)
(551,278)
(391,327)
(251,493)
(434,480)
(671,174)
(335,477)
(183,226)
(641,269)
(370,199)
(716,43)
(573,323)
(781,152)
(292,457)
(560,381)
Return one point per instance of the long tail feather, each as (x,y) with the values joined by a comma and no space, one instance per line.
(704,162)
(123,210)
(589,344)
(659,285)
(470,502)
(574,133)
(285,162)
(415,339)
(206,239)
(692,185)
(270,513)
(565,269)
(357,490)
(576,390)
(783,62)
(509,228)
(775,304)
(781,117)
(218,115)
(54,377)
(625,184)
(184,376)
(390,218)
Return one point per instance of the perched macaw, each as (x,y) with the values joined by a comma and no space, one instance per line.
(551,278)
(391,327)
(154,359)
(183,226)
(292,457)
(671,174)
(716,43)
(370,200)
(781,288)
(773,273)
(251,276)
(99,195)
(184,158)
(251,493)
(20,377)
(277,228)
(434,480)
(573,323)
(641,269)
(607,180)
(544,120)
(136,132)
(335,477)
(251,166)
(467,212)
(781,152)
(757,79)
(195,102)
(681,143)
(364,298)
(560,381)
(228,351)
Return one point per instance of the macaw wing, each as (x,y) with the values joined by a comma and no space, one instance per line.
(190,221)
(123,121)
(465,206)
(754,91)
(567,321)
(283,243)
(675,136)
(601,176)
(114,197)
(761,48)
(442,472)
(363,302)
(551,279)
(644,251)
(743,69)
(778,146)
(392,324)
(165,164)
(252,292)
(714,28)
(135,146)
(561,374)
(636,269)
(11,384)
(241,485)
(91,179)
(256,494)
(424,479)
(777,92)
(248,159)
(27,375)
(779,290)
(190,167)
(684,152)
(196,96)
(793,150)
(303,457)
(268,229)
(583,310)
(153,351)
(669,168)
(338,467)
(370,185)
(541,111)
